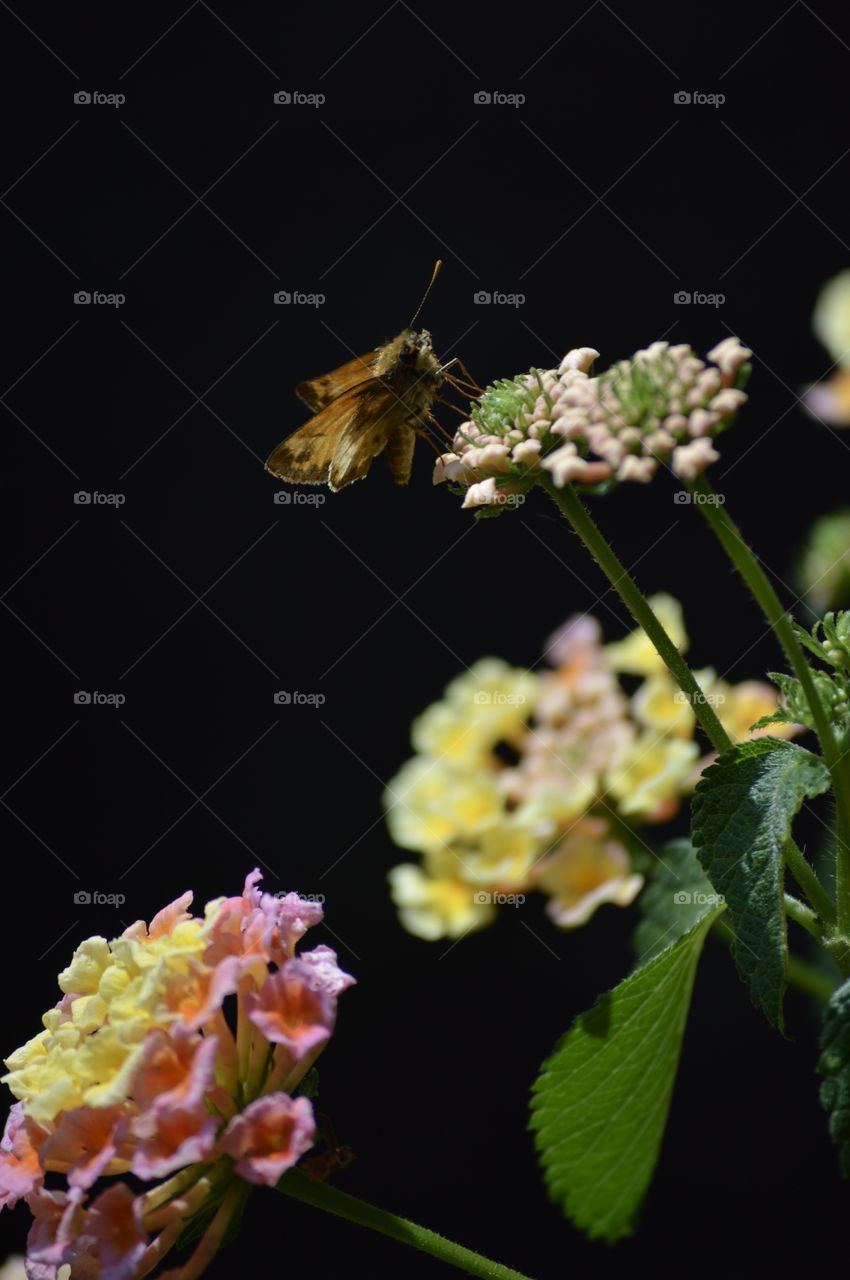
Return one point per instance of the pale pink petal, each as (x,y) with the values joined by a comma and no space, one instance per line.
(269,1136)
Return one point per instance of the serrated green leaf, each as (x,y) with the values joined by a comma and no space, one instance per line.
(679,894)
(742,813)
(834,1066)
(601,1101)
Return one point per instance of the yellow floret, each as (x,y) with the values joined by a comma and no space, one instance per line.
(636,654)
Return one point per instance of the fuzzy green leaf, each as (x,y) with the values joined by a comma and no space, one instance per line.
(742,814)
(679,894)
(834,1066)
(601,1101)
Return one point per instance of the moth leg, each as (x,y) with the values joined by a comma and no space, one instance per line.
(470,381)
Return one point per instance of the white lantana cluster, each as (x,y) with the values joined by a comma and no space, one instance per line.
(664,406)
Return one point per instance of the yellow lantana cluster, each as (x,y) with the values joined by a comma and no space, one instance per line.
(527,781)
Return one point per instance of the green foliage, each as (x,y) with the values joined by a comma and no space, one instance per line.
(601,1101)
(742,814)
(677,897)
(834,1066)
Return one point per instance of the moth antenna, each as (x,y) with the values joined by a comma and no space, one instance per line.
(436,272)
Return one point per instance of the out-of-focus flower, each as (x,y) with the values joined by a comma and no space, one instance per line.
(587,869)
(739,707)
(823,572)
(138,1071)
(636,655)
(661,407)
(829,400)
(539,787)
(650,779)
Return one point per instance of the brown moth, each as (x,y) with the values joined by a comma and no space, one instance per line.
(374,403)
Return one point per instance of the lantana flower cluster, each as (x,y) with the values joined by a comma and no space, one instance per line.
(662,407)
(143,1069)
(536,781)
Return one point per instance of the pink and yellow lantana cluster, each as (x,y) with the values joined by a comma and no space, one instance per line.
(527,781)
(140,1071)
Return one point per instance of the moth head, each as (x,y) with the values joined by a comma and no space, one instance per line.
(413,346)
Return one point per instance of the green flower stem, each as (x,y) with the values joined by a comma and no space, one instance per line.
(802,975)
(804,916)
(747,564)
(808,881)
(322,1196)
(571,506)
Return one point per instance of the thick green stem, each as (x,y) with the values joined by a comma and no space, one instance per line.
(807,879)
(322,1196)
(747,564)
(804,916)
(571,506)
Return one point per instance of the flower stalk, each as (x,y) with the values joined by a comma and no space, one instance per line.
(322,1196)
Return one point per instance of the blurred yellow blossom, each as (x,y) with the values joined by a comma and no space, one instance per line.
(636,654)
(829,400)
(651,777)
(587,869)
(433,907)
(534,780)
(488,704)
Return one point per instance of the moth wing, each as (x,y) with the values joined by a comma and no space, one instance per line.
(364,437)
(318,393)
(305,457)
(400,447)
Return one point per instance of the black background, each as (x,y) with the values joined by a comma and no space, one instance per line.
(597,199)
